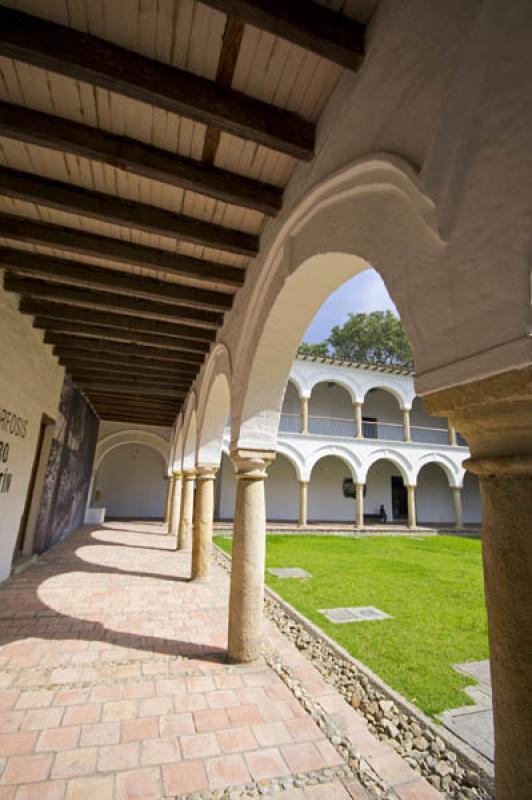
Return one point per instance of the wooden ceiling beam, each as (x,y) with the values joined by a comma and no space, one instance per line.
(106,346)
(59,313)
(87,276)
(115,388)
(80,376)
(161,422)
(327,33)
(69,356)
(130,214)
(194,270)
(86,58)
(137,158)
(102,399)
(127,373)
(112,302)
(99,331)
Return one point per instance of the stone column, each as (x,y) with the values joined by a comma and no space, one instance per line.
(457,499)
(303,500)
(495,415)
(203,519)
(359,430)
(249,546)
(304,414)
(169,487)
(175,508)
(187,510)
(451,433)
(407,436)
(411,492)
(359,504)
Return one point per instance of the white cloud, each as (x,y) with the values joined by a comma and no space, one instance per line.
(364,293)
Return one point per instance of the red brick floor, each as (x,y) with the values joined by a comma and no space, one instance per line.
(114,684)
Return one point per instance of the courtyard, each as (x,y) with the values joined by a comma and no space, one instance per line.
(431,587)
(115,685)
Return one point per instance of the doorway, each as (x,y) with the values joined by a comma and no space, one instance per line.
(399,498)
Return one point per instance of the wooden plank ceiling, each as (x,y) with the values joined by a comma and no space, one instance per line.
(142,148)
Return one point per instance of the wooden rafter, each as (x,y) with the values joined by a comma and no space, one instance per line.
(126,213)
(73,355)
(72,273)
(116,250)
(99,331)
(137,158)
(107,346)
(329,34)
(108,301)
(58,313)
(86,58)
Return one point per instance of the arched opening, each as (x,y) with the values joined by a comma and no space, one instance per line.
(291,411)
(434,498)
(282,501)
(225,490)
(471,501)
(130,482)
(331,410)
(330,491)
(426,428)
(382,417)
(385,486)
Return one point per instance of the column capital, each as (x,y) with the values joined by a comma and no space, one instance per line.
(251,464)
(189,474)
(304,483)
(494,414)
(206,472)
(177,474)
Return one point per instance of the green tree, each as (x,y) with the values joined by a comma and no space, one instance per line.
(378,336)
(318,349)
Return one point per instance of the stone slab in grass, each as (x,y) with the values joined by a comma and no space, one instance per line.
(354,614)
(289,572)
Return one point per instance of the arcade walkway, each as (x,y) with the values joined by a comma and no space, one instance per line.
(113,684)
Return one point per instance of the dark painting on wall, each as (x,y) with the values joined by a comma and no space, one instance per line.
(69,470)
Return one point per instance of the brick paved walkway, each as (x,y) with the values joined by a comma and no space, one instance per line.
(113,684)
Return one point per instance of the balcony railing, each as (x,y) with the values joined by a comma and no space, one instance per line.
(388,431)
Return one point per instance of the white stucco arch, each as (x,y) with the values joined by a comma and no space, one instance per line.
(130,436)
(336,451)
(370,214)
(403,401)
(177,458)
(214,405)
(294,457)
(454,472)
(397,459)
(299,385)
(343,382)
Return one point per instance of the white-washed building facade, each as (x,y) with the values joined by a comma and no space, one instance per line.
(346,425)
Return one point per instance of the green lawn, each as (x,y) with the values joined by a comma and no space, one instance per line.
(431,586)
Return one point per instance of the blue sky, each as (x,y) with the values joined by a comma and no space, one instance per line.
(365,292)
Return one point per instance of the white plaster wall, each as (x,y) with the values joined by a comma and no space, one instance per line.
(471,505)
(383,405)
(434,500)
(330,400)
(282,491)
(30,385)
(326,501)
(131,482)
